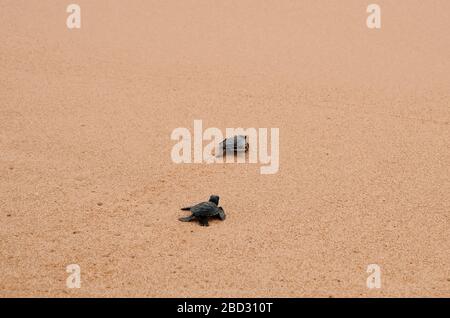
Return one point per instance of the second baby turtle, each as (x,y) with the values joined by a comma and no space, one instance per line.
(233,144)
(205,210)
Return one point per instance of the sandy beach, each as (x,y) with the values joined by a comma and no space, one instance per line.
(86,175)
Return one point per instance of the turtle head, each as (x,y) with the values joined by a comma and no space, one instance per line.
(214,199)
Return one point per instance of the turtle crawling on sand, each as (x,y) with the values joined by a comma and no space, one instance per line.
(233,144)
(205,210)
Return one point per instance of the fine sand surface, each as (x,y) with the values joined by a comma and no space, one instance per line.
(86,175)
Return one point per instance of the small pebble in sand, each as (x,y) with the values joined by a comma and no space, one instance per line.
(8,215)
(99,203)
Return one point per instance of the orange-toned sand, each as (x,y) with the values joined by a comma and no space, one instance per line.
(86,175)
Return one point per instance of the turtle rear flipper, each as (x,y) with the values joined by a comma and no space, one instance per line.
(186,209)
(187,218)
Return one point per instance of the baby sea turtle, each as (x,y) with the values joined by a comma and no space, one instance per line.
(234,144)
(205,210)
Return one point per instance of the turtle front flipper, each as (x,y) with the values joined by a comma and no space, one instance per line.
(186,209)
(187,218)
(221,214)
(203,221)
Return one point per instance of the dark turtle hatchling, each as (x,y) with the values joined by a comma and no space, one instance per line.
(233,145)
(205,210)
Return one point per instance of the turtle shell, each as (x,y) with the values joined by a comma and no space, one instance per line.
(205,209)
